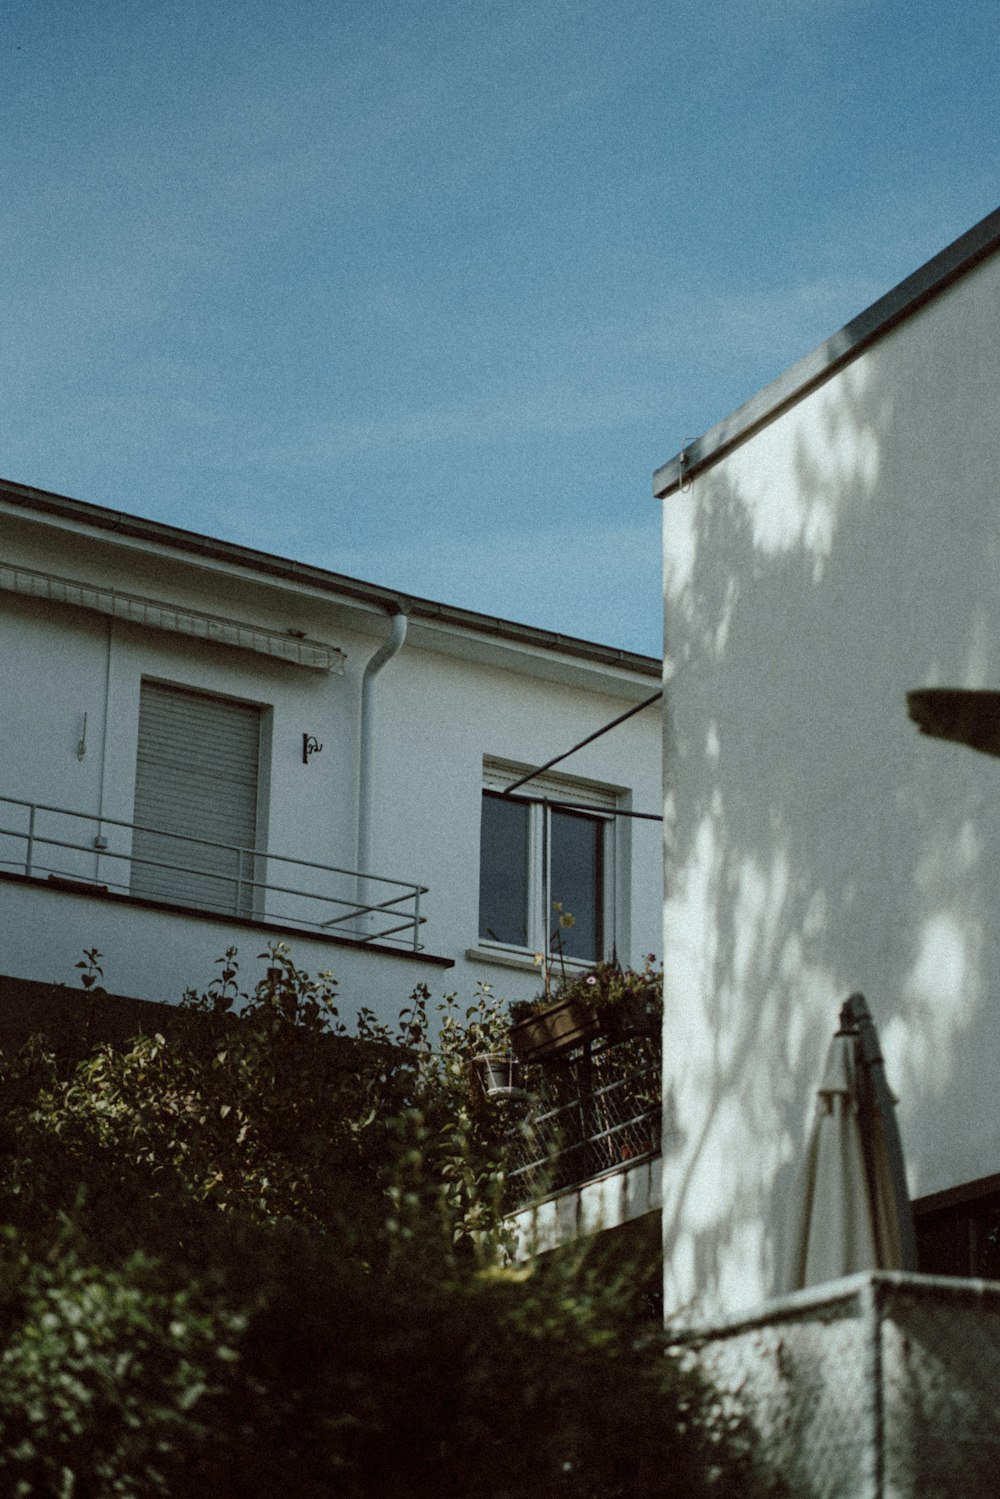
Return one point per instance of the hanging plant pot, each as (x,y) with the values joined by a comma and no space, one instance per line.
(500,1076)
(555,1028)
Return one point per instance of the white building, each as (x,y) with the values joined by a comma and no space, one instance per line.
(203,745)
(829,548)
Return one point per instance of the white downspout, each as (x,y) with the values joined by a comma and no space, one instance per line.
(100,837)
(366,794)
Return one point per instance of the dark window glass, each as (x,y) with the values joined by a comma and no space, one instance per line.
(961,1240)
(577,863)
(943,1244)
(503,870)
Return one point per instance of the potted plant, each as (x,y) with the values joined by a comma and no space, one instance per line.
(546,1026)
(556,1020)
(625,1002)
(620,1003)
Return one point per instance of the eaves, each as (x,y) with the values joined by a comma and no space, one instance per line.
(455,631)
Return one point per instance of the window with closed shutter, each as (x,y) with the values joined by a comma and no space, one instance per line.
(196,799)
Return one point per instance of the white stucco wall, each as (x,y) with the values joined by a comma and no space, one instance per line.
(438,718)
(437,715)
(816,843)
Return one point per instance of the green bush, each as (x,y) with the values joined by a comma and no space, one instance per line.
(291,1368)
(106,1375)
(251,1255)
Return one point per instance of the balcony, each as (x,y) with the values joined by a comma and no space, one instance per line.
(883,1383)
(593,1111)
(106,856)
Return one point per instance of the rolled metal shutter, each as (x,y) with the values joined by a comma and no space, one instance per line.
(195,799)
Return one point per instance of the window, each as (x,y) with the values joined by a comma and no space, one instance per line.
(958,1231)
(196,799)
(550,847)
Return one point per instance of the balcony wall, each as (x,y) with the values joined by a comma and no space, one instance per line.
(631,1192)
(585,1142)
(880,1386)
(155,953)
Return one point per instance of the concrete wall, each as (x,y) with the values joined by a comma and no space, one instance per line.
(437,715)
(608,1203)
(845,554)
(154,954)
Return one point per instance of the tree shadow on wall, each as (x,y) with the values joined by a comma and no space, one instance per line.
(820,844)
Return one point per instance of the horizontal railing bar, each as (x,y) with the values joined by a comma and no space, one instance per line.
(634,1119)
(624,1085)
(368,910)
(616,1129)
(223,909)
(573,1179)
(250,853)
(553,1157)
(404,926)
(229,879)
(214,881)
(602,1138)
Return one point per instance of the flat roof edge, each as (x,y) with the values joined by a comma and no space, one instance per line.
(932,278)
(345,589)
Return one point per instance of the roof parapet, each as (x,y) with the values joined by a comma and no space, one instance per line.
(932,278)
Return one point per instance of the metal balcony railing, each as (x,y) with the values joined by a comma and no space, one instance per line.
(592,1111)
(107,854)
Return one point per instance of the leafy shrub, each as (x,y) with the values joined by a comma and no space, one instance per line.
(106,1375)
(326,1377)
(251,1254)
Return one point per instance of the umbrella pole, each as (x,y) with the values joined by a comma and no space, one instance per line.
(857,1013)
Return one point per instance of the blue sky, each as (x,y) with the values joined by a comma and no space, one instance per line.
(423,292)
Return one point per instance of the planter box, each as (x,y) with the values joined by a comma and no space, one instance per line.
(562,1024)
(629,1018)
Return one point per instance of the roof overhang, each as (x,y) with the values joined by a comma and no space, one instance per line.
(353,604)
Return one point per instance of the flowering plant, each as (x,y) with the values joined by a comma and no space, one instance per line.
(607,988)
(610,991)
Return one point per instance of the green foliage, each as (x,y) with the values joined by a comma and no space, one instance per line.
(252,1253)
(107,1376)
(608,987)
(260,1104)
(626,1001)
(295,1369)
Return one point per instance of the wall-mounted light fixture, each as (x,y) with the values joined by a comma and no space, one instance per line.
(310,746)
(962,714)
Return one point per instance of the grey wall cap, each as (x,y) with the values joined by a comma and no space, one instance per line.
(928,282)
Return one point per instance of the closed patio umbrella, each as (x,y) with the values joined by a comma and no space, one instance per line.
(851,1210)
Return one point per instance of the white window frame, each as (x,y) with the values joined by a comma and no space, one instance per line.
(588,797)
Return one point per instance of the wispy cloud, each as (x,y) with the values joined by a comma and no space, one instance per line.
(557,408)
(725,329)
